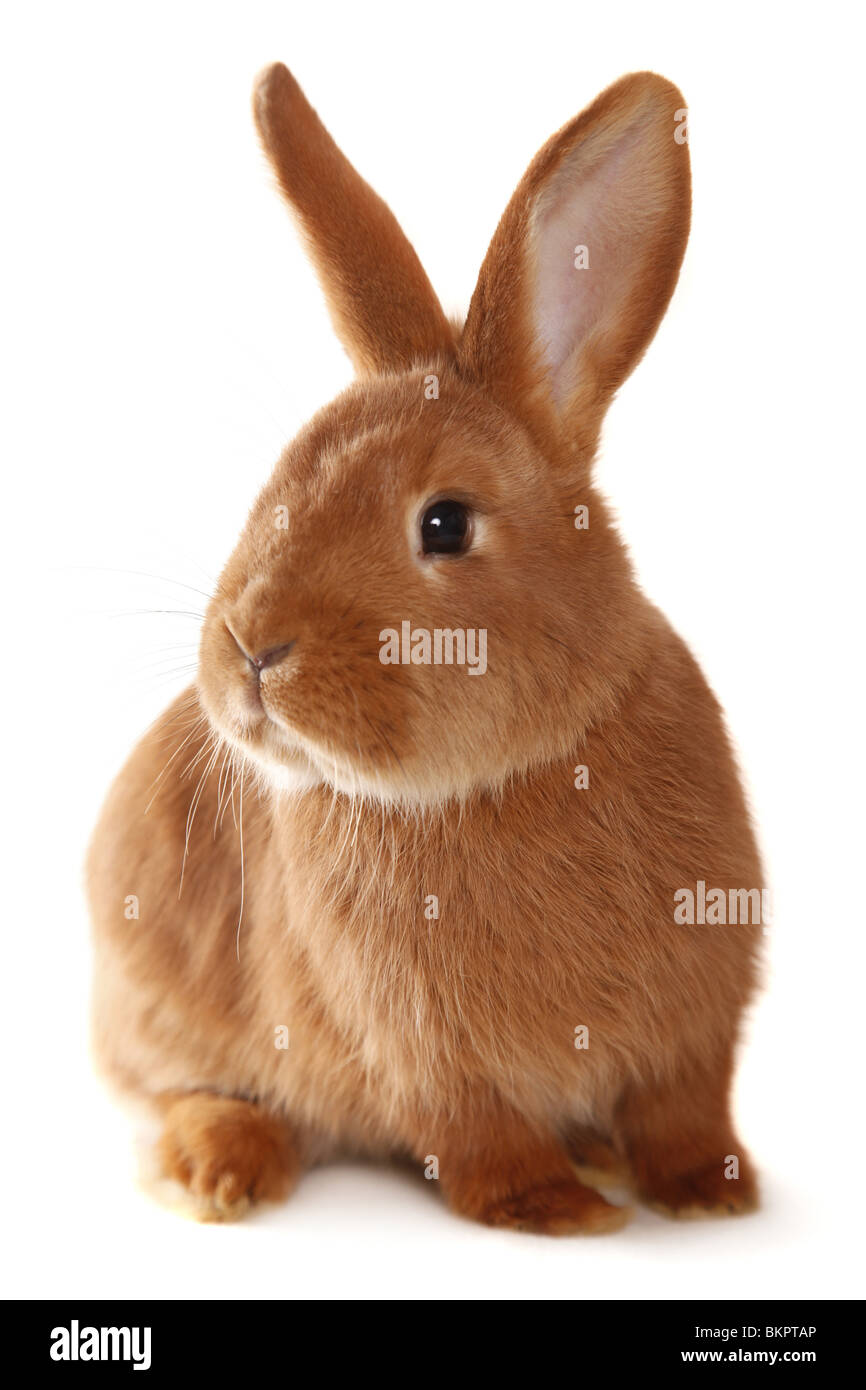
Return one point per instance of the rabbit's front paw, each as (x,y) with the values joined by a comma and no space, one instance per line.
(701,1192)
(562,1207)
(499,1169)
(227,1153)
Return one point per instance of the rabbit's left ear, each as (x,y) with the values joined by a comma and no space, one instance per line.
(583,263)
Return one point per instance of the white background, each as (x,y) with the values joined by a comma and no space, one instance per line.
(163,336)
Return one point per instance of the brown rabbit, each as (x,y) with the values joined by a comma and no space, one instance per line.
(472,769)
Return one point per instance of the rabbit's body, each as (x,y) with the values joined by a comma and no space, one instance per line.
(391,1014)
(450,946)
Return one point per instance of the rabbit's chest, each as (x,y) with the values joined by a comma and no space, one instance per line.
(432,981)
(529,954)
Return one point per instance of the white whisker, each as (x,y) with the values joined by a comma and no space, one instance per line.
(241,839)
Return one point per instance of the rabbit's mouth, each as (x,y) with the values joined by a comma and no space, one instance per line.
(284,759)
(242,720)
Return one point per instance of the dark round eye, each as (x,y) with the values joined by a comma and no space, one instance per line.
(445,528)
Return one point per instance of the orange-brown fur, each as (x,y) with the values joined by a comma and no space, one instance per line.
(450,1037)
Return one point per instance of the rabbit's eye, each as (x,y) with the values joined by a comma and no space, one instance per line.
(445,528)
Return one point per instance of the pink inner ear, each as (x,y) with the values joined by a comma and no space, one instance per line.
(601,197)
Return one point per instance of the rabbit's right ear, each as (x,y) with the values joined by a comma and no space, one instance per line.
(583,263)
(381,303)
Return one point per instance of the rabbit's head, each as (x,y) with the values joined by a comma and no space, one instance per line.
(428,596)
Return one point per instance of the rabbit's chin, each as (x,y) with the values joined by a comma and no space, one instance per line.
(290,774)
(291,770)
(279,765)
(287,767)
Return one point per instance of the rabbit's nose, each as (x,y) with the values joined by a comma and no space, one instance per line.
(270,657)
